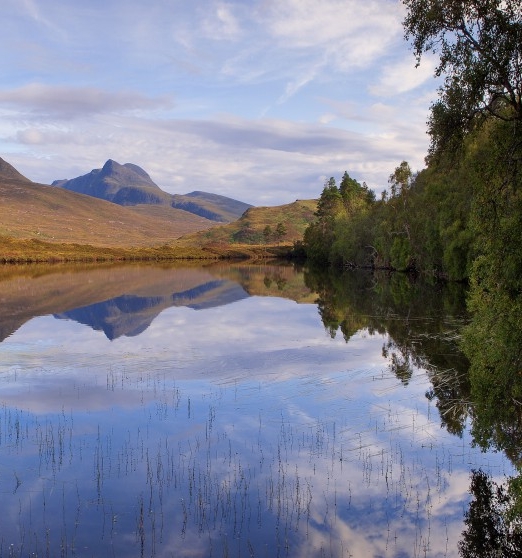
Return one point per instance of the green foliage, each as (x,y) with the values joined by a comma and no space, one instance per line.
(248,234)
(493,340)
(493,344)
(401,253)
(353,241)
(280,231)
(266,226)
(337,235)
(319,236)
(400,180)
(479,43)
(422,225)
(329,203)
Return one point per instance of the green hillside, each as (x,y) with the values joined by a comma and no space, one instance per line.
(280,225)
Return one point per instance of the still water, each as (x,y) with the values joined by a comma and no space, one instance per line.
(229,411)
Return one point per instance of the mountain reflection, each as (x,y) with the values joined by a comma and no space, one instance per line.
(131,315)
(123,300)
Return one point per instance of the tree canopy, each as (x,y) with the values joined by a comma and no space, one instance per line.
(479,43)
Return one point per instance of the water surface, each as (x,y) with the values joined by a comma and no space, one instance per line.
(230,411)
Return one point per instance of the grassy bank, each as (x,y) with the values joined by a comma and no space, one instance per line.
(14,250)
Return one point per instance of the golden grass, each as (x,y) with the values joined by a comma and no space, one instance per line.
(249,229)
(46,224)
(14,250)
(30,210)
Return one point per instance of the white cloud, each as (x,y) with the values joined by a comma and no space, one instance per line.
(222,24)
(315,67)
(310,23)
(266,162)
(402,76)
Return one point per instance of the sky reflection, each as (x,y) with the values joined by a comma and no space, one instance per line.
(242,429)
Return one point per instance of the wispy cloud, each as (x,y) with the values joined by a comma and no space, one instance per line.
(69,102)
(256,100)
(401,77)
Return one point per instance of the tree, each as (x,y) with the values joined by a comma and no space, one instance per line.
(267,233)
(478,119)
(479,43)
(280,231)
(319,235)
(330,202)
(400,180)
(402,249)
(354,195)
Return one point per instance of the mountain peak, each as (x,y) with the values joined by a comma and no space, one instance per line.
(110,166)
(7,171)
(122,184)
(129,184)
(127,174)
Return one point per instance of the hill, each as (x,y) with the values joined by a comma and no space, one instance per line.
(281,225)
(31,210)
(46,223)
(130,185)
(8,172)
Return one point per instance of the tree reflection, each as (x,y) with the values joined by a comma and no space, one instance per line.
(493,343)
(491,527)
(422,322)
(473,362)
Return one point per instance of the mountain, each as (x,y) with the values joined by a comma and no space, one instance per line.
(130,185)
(8,172)
(38,211)
(121,184)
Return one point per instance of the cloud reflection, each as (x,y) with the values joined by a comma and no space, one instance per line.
(234,429)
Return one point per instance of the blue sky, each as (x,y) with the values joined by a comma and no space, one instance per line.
(259,100)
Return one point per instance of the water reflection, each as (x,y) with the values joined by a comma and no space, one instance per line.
(125,299)
(243,429)
(131,315)
(422,323)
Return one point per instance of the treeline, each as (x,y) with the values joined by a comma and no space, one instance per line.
(460,217)
(441,221)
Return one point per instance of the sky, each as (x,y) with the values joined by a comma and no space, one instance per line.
(260,100)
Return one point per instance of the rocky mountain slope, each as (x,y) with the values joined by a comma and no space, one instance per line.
(130,185)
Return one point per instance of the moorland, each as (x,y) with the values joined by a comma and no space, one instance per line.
(118,213)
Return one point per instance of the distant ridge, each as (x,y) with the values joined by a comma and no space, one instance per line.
(8,172)
(129,184)
(211,206)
